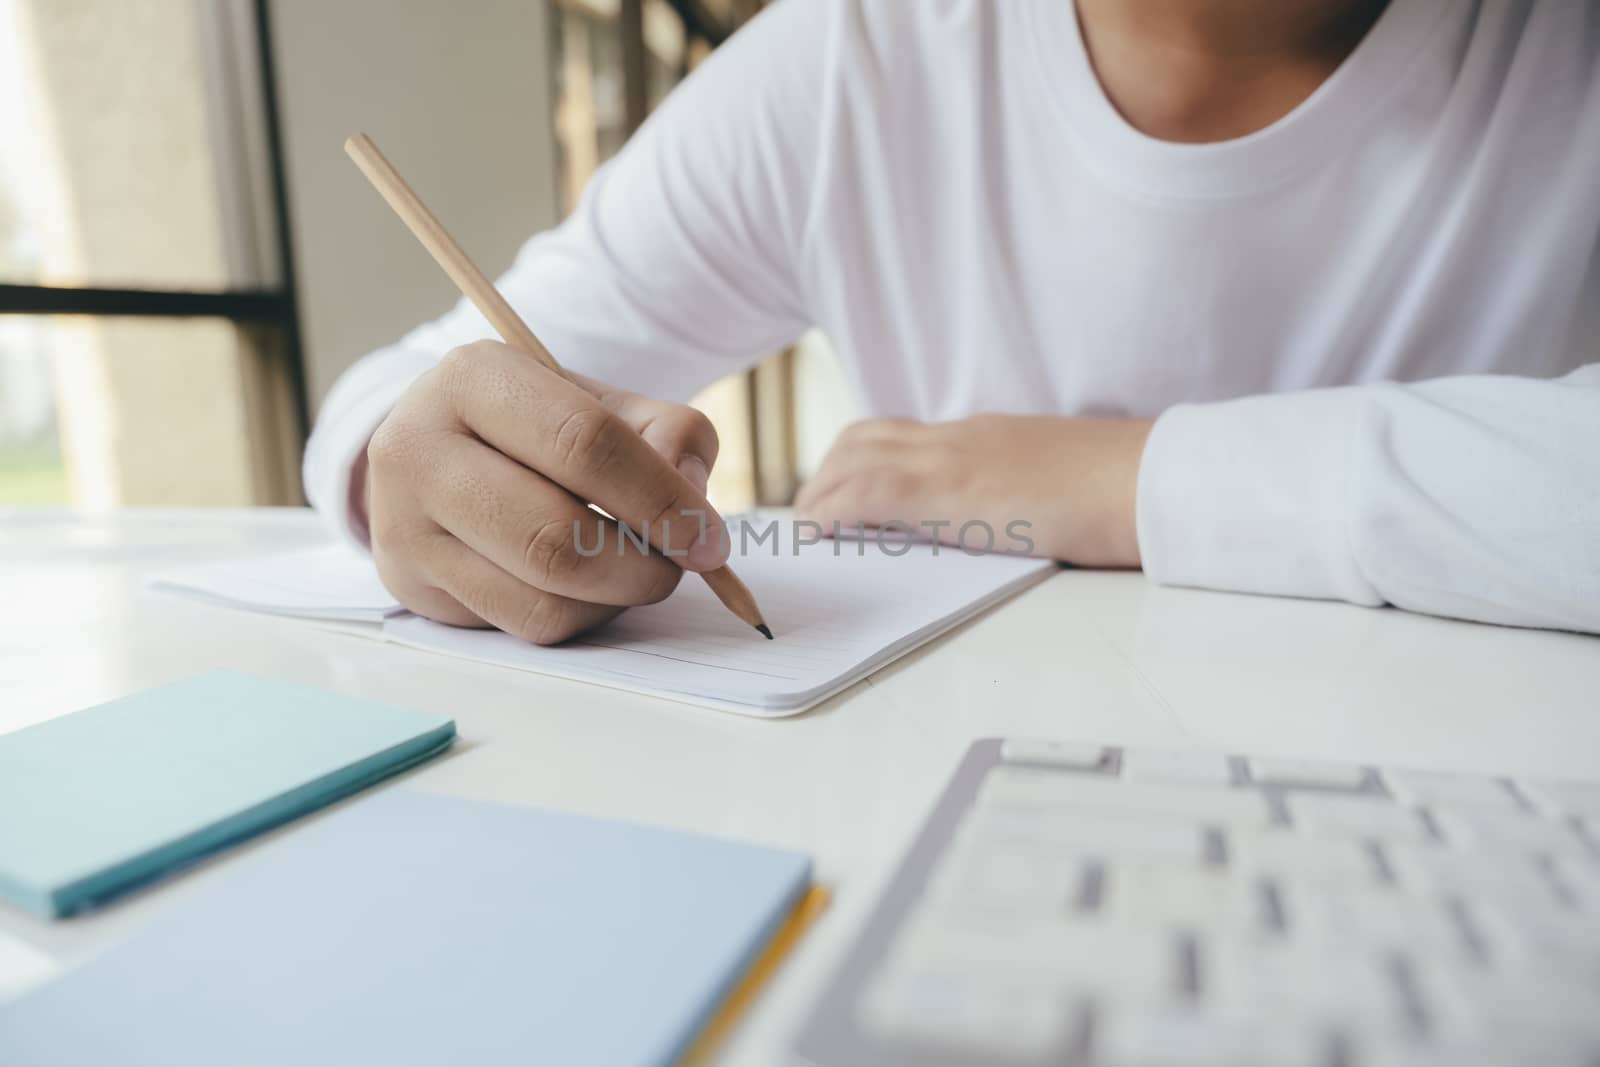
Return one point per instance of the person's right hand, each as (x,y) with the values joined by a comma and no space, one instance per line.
(476,485)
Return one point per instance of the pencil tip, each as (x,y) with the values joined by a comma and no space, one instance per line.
(761,628)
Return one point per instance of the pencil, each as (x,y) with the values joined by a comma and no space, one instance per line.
(476,287)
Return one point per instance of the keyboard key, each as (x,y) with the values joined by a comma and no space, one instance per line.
(1188,898)
(1432,870)
(1112,835)
(1329,815)
(1316,987)
(1070,956)
(1078,757)
(1281,854)
(1020,788)
(1175,767)
(1380,922)
(1516,832)
(943,1009)
(1476,1002)
(1125,1036)
(1294,772)
(1566,798)
(1579,878)
(1504,1050)
(1427,789)
(994,874)
(1554,941)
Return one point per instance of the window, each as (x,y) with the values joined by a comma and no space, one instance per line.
(150,336)
(147,340)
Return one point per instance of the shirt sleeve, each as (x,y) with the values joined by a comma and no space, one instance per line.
(678,267)
(1475,497)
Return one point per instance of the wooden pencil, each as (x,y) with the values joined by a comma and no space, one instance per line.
(476,287)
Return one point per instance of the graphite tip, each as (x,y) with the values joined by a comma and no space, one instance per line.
(761,628)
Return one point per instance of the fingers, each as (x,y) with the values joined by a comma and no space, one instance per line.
(535,530)
(407,585)
(498,598)
(680,433)
(468,530)
(879,470)
(551,425)
(868,497)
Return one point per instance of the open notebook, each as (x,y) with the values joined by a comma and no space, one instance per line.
(840,610)
(333,584)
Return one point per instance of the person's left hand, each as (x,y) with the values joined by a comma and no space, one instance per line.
(1073,481)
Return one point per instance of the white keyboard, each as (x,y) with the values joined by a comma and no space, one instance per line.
(1078,904)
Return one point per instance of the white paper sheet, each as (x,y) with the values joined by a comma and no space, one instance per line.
(331,584)
(839,610)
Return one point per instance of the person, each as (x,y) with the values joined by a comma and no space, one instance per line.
(1293,297)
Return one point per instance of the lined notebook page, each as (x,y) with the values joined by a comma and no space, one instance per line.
(839,610)
(330,583)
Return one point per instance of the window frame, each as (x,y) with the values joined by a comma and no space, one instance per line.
(271,305)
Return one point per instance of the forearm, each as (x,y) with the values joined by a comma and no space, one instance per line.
(1473,497)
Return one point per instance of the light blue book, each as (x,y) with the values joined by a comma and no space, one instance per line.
(108,798)
(411,929)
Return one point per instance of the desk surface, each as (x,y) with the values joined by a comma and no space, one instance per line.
(1097,656)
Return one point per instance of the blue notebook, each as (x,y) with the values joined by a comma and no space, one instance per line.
(417,929)
(108,798)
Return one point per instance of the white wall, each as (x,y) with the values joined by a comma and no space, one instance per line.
(459,97)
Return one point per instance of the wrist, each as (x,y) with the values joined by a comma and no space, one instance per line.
(1124,505)
(1095,488)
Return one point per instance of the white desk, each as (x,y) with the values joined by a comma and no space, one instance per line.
(1099,656)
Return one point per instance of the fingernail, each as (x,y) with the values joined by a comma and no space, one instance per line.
(710,550)
(694,468)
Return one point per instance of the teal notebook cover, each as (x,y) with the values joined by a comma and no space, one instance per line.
(413,930)
(102,800)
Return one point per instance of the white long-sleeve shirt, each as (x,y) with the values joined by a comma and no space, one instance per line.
(1353,324)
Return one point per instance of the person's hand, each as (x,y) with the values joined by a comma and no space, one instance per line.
(476,489)
(1067,485)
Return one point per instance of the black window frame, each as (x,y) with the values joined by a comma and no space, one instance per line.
(270,305)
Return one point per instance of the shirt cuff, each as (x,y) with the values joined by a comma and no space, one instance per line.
(1252,496)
